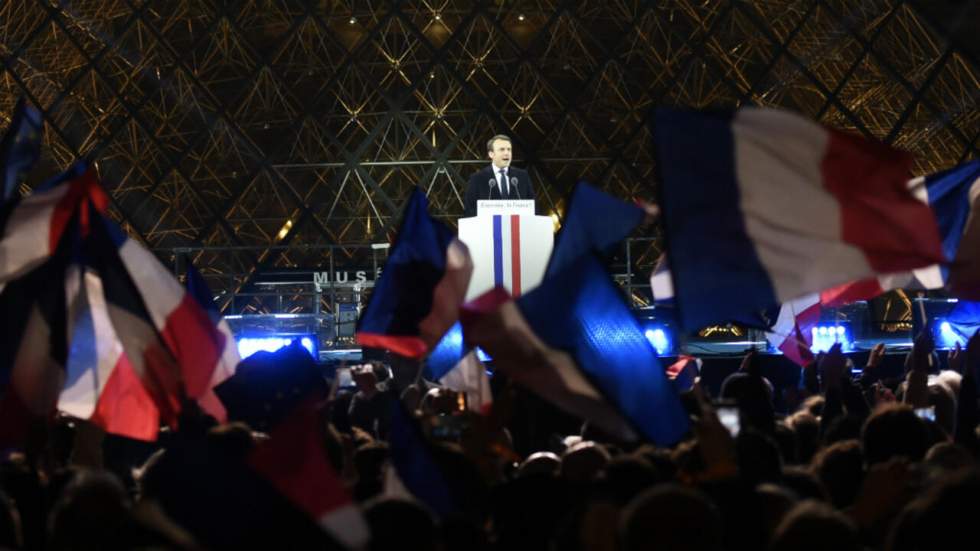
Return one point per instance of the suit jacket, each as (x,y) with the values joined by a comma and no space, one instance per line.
(479,187)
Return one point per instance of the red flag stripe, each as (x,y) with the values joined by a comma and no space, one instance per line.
(515,254)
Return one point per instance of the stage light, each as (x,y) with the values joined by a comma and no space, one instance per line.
(250,345)
(947,337)
(284,230)
(825,336)
(352,20)
(659,339)
(521,17)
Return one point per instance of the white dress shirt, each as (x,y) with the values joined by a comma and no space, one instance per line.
(505,184)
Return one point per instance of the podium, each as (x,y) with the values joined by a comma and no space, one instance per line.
(509,245)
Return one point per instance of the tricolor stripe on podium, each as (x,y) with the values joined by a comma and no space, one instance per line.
(507,253)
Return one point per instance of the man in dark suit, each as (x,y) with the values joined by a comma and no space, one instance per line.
(499,180)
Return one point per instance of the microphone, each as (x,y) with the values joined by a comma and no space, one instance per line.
(513,185)
(493,186)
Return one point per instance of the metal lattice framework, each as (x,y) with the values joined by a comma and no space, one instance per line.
(253,132)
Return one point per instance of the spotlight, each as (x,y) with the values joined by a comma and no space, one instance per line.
(825,336)
(437,16)
(250,345)
(521,17)
(659,339)
(947,336)
(352,20)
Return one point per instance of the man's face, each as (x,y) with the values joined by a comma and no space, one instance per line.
(500,155)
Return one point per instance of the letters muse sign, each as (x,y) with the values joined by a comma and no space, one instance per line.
(364,278)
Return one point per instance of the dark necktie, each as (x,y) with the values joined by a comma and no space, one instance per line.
(504,184)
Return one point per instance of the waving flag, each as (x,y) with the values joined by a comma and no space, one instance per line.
(446,354)
(21,146)
(414,472)
(223,338)
(168,339)
(33,226)
(792,332)
(951,195)
(423,284)
(33,349)
(574,342)
(294,460)
(964,276)
(100,382)
(762,206)
(34,257)
(594,224)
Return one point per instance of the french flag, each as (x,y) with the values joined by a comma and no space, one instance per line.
(294,460)
(951,195)
(574,342)
(32,226)
(762,206)
(418,296)
(168,340)
(792,331)
(32,348)
(101,384)
(414,473)
(595,223)
(227,362)
(34,256)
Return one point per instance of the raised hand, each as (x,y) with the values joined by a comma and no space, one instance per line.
(883,394)
(917,391)
(877,354)
(832,367)
(955,359)
(714,441)
(922,350)
(750,363)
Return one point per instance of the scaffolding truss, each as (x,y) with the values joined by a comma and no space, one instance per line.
(255,135)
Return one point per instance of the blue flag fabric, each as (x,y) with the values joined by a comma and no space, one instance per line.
(21,146)
(201,292)
(413,461)
(424,281)
(594,223)
(447,353)
(949,198)
(964,320)
(580,310)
